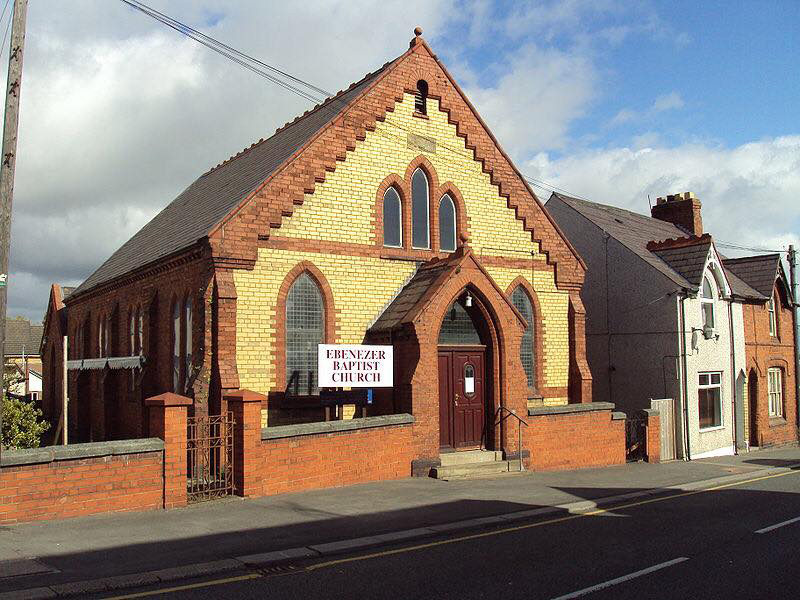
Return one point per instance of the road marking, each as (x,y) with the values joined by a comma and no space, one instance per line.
(624,578)
(771,527)
(453,540)
(494,532)
(189,586)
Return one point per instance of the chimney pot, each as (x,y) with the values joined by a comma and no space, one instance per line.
(682,209)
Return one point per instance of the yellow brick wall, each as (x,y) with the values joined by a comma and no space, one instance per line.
(340,210)
(356,305)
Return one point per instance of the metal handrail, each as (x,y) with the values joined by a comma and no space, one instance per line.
(520,422)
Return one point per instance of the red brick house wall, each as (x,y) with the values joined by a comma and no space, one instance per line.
(764,351)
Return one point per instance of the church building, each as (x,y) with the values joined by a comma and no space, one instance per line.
(389,215)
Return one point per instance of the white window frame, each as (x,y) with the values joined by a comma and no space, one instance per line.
(773,318)
(707,386)
(710,301)
(775,391)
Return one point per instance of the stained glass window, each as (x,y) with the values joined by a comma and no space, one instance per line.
(523,304)
(305,318)
(458,327)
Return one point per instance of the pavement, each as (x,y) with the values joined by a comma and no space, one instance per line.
(126,550)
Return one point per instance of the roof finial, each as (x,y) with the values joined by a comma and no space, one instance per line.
(417,37)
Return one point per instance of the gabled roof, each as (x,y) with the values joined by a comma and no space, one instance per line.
(681,261)
(422,288)
(760,272)
(207,201)
(22,337)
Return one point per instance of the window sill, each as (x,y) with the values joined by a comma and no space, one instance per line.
(775,421)
(420,115)
(710,429)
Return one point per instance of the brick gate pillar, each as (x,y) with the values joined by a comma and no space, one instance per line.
(168,421)
(246,408)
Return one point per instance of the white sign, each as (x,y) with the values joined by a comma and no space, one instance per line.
(355,366)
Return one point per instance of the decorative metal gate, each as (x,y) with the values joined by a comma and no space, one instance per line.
(635,438)
(209,454)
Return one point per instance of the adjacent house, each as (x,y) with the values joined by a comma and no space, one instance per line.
(664,318)
(388,214)
(21,352)
(769,350)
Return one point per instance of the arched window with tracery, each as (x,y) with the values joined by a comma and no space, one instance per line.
(392,219)
(447,224)
(707,297)
(305,330)
(420,222)
(527,351)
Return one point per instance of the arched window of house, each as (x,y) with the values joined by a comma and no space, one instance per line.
(420,223)
(527,351)
(187,352)
(392,219)
(421,97)
(176,347)
(773,316)
(447,224)
(707,303)
(305,319)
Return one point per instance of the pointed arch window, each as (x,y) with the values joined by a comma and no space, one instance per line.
(420,224)
(527,351)
(773,316)
(305,319)
(707,303)
(392,219)
(458,328)
(176,346)
(447,224)
(187,337)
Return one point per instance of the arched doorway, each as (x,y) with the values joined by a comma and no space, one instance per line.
(752,400)
(465,359)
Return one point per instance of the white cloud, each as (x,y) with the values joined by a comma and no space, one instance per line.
(669,101)
(533,104)
(749,193)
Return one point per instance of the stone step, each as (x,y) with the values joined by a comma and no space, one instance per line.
(468,471)
(451,459)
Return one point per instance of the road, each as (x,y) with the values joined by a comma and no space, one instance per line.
(735,541)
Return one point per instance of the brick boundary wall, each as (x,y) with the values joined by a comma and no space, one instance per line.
(81,479)
(77,480)
(653,435)
(292,458)
(574,436)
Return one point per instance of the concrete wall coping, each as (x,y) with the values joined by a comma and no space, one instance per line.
(33,456)
(618,416)
(285,431)
(540,411)
(651,412)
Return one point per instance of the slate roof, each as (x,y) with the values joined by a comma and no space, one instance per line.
(190,216)
(21,337)
(634,231)
(688,261)
(404,306)
(759,272)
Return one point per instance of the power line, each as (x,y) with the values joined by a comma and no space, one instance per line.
(255,65)
(748,248)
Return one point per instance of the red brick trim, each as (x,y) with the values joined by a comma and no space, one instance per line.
(538,332)
(279,319)
(462,219)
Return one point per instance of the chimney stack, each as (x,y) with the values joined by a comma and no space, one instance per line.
(682,210)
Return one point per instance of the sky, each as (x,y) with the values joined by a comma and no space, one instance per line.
(613,101)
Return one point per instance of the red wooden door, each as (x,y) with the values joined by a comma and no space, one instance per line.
(462,400)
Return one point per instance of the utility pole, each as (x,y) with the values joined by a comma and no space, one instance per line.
(8,161)
(796,318)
